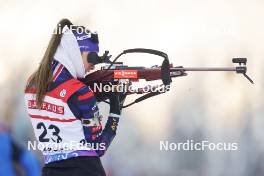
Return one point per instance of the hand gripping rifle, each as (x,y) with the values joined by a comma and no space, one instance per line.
(116,73)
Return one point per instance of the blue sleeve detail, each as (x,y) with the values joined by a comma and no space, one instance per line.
(82,107)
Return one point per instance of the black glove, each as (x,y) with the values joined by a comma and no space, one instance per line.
(116,102)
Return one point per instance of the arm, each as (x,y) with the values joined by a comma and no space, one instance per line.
(83,105)
(116,101)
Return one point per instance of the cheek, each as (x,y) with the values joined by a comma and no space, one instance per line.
(86,65)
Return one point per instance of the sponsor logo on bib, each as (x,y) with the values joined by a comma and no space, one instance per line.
(32,104)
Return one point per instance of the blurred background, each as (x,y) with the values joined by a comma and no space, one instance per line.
(217,107)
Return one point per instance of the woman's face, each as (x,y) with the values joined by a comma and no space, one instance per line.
(88,66)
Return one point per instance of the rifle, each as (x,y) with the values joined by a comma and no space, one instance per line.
(116,73)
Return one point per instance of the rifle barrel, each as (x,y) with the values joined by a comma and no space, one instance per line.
(204,69)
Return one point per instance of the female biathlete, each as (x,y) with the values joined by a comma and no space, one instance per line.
(63,110)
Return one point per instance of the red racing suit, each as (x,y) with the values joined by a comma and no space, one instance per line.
(68,124)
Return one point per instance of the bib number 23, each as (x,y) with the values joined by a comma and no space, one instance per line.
(54,137)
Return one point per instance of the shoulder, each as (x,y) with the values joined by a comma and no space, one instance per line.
(66,89)
(80,92)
